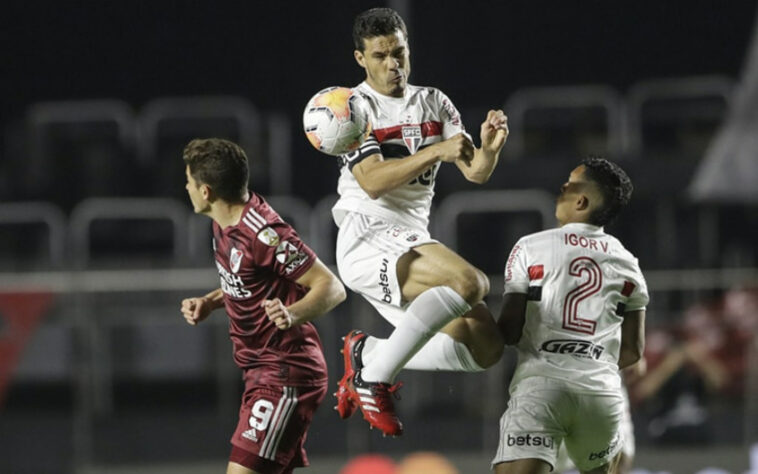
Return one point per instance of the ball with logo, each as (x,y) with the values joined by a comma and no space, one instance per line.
(336,120)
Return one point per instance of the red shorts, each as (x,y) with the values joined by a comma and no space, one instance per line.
(273,425)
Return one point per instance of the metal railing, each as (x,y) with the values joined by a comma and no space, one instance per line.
(42,115)
(675,89)
(568,98)
(454,206)
(114,209)
(160,111)
(50,216)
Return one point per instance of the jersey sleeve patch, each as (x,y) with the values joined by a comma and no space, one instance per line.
(626,292)
(516,273)
(268,236)
(278,247)
(451,118)
(290,257)
(536,272)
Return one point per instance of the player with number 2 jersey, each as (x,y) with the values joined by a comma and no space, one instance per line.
(574,305)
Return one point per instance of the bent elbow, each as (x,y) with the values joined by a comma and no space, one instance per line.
(635,357)
(336,291)
(374,195)
(630,356)
(639,348)
(340,294)
(372,192)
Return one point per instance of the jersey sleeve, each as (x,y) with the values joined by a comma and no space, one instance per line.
(516,270)
(451,119)
(639,297)
(279,248)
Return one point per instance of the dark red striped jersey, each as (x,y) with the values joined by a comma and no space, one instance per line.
(261,258)
(401,126)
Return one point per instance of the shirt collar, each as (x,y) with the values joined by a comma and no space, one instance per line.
(584,226)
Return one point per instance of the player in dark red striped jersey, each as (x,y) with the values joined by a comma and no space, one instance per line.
(430,294)
(272,286)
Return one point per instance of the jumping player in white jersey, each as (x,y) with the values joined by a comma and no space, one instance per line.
(574,305)
(430,294)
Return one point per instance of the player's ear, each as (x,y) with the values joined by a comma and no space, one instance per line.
(359,58)
(582,203)
(206,192)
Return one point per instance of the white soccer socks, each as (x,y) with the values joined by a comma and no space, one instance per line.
(426,315)
(440,353)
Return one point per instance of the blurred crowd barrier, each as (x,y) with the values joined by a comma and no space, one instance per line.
(110,148)
(76,176)
(98,365)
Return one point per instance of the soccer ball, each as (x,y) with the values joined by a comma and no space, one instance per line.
(336,120)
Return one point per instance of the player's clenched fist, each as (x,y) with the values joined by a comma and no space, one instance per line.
(278,313)
(195,310)
(457,147)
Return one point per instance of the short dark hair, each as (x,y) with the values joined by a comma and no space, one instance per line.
(615,187)
(376,22)
(220,164)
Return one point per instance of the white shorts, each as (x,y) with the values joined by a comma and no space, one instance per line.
(563,463)
(368,249)
(544,412)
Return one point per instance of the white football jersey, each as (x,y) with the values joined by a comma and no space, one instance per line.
(401,126)
(579,283)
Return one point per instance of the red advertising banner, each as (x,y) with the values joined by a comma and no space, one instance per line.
(20,314)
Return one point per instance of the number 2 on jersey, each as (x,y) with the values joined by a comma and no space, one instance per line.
(588,270)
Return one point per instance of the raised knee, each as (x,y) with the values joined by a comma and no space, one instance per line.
(472,284)
(490,355)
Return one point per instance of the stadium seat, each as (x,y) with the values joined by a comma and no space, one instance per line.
(546,122)
(670,118)
(32,235)
(129,231)
(167,124)
(89,143)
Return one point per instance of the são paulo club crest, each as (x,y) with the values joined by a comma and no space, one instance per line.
(235,259)
(412,137)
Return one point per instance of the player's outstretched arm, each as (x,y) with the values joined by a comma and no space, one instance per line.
(632,338)
(378,175)
(197,309)
(493,133)
(512,317)
(325,291)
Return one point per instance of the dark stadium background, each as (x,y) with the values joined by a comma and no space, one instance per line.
(276,55)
